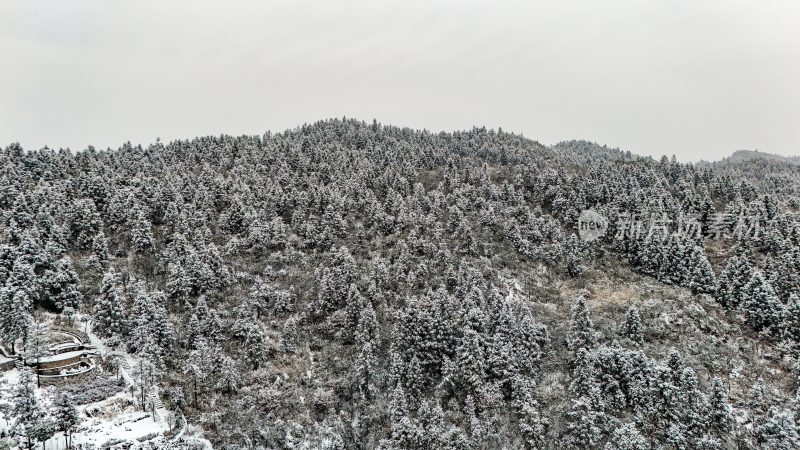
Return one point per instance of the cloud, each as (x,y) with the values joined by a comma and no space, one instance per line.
(695,79)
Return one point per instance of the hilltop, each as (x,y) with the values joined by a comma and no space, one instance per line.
(347,284)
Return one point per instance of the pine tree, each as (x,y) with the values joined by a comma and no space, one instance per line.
(585,378)
(368,329)
(195,366)
(8,254)
(581,332)
(108,312)
(701,275)
(63,285)
(398,406)
(586,419)
(365,375)
(24,285)
(228,378)
(100,257)
(720,411)
(760,304)
(41,430)
(233,220)
(141,231)
(626,437)
(733,279)
(149,322)
(29,418)
(83,222)
(65,416)
(414,378)
(471,358)
(256,347)
(779,432)
(692,404)
(290,337)
(151,364)
(14,317)
(355,303)
(757,397)
(791,319)
(707,442)
(532,423)
(586,423)
(632,328)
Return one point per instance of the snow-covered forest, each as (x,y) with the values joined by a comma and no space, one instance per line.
(353,285)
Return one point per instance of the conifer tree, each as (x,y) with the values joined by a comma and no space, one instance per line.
(692,404)
(581,332)
(779,432)
(586,423)
(471,358)
(791,319)
(584,377)
(65,417)
(720,411)
(701,278)
(14,320)
(626,437)
(366,366)
(355,303)
(109,313)
(733,279)
(760,304)
(63,285)
(228,379)
(367,329)
(149,322)
(398,407)
(195,366)
(100,256)
(29,418)
(256,347)
(141,231)
(84,223)
(632,327)
(24,285)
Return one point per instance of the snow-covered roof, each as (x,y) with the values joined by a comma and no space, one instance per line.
(63,356)
(65,345)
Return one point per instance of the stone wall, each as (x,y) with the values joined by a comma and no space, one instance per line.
(7,365)
(59,363)
(57,380)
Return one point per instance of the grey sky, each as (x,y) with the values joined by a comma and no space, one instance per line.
(698,79)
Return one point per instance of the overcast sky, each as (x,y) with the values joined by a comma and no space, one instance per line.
(698,79)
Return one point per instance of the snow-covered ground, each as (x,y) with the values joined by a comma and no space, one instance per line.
(117,418)
(124,425)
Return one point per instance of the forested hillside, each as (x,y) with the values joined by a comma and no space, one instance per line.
(356,285)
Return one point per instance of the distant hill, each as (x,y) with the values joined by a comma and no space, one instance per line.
(749,155)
